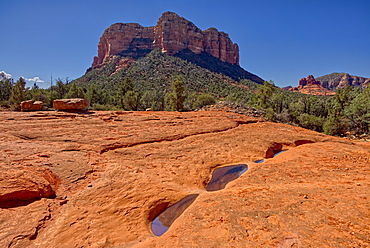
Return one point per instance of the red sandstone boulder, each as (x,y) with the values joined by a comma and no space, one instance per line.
(31,105)
(70,104)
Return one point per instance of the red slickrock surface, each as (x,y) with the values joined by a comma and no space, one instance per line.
(113,172)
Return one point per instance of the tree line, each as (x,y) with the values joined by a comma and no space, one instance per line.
(124,96)
(347,112)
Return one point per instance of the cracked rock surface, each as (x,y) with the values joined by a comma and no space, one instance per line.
(102,177)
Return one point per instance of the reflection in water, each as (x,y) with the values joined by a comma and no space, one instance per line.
(279,153)
(224,175)
(262,160)
(161,224)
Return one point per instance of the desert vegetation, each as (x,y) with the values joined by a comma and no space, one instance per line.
(347,112)
(161,82)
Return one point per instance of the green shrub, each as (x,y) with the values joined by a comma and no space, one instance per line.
(311,122)
(203,100)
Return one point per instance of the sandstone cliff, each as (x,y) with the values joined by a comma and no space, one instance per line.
(171,34)
(122,37)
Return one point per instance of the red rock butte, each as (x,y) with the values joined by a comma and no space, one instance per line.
(171,34)
(311,86)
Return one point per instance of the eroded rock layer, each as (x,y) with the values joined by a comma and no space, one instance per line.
(171,34)
(103,177)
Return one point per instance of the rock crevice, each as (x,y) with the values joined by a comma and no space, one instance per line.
(118,145)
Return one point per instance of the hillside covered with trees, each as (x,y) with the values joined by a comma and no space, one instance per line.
(161,82)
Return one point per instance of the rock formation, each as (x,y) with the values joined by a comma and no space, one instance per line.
(121,37)
(325,85)
(171,34)
(70,104)
(311,86)
(118,171)
(310,80)
(340,80)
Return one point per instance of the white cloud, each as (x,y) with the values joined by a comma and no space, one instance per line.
(35,79)
(4,75)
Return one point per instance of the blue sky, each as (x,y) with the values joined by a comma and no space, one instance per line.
(279,40)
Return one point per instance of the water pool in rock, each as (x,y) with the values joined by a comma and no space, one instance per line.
(162,223)
(224,175)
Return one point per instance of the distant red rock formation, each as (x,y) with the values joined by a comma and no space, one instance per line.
(171,34)
(311,86)
(310,80)
(340,80)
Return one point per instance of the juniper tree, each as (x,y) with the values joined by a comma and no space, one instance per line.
(122,88)
(75,91)
(177,95)
(5,89)
(18,93)
(264,94)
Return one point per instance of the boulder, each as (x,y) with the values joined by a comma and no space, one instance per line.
(70,104)
(31,105)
